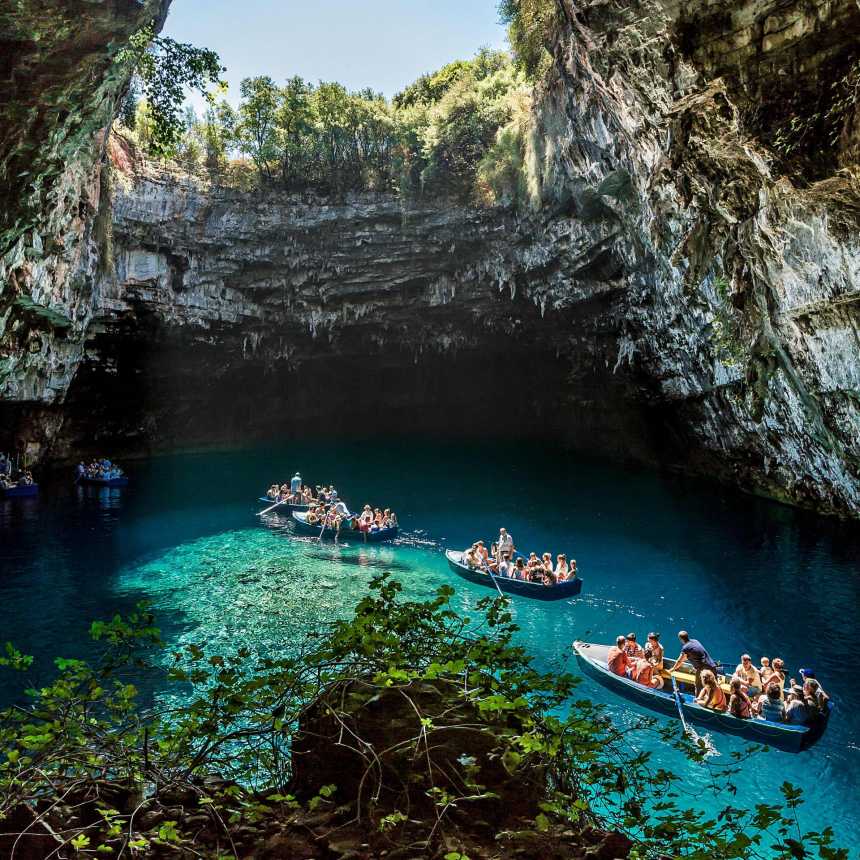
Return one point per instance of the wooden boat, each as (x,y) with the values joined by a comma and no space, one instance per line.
(104,482)
(20,491)
(284,507)
(378,536)
(534,590)
(784,736)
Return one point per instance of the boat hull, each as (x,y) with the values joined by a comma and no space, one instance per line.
(532,590)
(789,738)
(380,536)
(105,482)
(20,491)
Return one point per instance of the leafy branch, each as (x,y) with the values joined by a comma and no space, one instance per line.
(163,69)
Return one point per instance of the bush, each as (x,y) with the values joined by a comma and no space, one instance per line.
(531,24)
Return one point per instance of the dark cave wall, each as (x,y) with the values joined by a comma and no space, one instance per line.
(148,387)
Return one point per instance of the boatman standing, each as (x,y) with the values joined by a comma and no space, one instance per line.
(506,543)
(296,484)
(693,652)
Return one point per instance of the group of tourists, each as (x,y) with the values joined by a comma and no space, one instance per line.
(336,516)
(296,492)
(501,560)
(100,469)
(12,477)
(326,510)
(750,692)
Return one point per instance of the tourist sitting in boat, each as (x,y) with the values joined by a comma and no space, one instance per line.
(778,673)
(472,558)
(617,660)
(711,695)
(654,652)
(520,570)
(505,566)
(749,676)
(642,672)
(561,567)
(796,710)
(365,519)
(740,704)
(534,568)
(632,647)
(813,693)
(769,706)
(765,671)
(274,492)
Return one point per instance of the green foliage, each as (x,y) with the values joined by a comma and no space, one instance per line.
(162,69)
(725,331)
(530,27)
(462,128)
(502,174)
(226,738)
(431,88)
(430,140)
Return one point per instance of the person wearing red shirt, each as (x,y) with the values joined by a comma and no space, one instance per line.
(617,659)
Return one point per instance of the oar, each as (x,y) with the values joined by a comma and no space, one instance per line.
(496,584)
(271,508)
(679,705)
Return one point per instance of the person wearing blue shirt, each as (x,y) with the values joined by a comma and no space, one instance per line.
(694,653)
(296,484)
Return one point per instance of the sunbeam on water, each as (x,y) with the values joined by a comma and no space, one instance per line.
(740,574)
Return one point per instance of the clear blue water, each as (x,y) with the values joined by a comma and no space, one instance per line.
(654,553)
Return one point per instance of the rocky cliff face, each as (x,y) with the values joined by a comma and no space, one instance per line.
(244,315)
(679,295)
(59,89)
(740,282)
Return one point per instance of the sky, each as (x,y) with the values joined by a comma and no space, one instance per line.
(382,44)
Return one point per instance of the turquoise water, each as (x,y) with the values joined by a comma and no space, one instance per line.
(741,574)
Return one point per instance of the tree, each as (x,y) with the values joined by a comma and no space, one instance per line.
(294,122)
(163,68)
(256,130)
(530,26)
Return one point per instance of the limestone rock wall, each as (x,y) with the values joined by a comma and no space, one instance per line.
(282,312)
(59,90)
(742,284)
